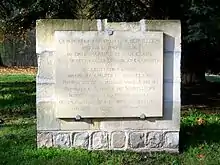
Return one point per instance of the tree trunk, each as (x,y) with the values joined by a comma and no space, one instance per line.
(193,64)
(189,78)
(1,61)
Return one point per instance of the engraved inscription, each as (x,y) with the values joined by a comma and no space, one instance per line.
(98,75)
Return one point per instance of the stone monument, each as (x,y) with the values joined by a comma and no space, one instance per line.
(108,86)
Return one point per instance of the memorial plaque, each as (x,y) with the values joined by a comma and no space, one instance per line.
(99,74)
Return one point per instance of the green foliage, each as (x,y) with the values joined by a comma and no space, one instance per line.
(202,21)
(17,95)
(114,10)
(18,16)
(213,78)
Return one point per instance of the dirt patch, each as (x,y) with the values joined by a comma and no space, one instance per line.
(18,70)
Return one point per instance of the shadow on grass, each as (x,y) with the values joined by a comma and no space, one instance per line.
(17,99)
(201,96)
(198,135)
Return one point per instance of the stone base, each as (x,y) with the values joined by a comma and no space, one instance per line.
(138,141)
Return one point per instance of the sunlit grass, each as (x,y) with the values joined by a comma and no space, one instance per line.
(213,78)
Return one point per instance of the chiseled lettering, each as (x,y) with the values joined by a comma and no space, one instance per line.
(107,72)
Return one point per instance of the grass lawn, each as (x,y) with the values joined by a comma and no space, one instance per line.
(213,78)
(199,137)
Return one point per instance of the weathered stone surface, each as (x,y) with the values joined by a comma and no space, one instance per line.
(171,140)
(170,120)
(172,45)
(155,139)
(45,29)
(70,124)
(44,139)
(45,47)
(81,140)
(118,139)
(45,116)
(45,66)
(45,91)
(100,140)
(46,108)
(62,140)
(96,90)
(137,140)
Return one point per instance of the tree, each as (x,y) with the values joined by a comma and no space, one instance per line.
(200,22)
(19,15)
(200,37)
(119,11)
(200,26)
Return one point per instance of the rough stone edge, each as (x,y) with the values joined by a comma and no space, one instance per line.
(47,49)
(109,140)
(126,134)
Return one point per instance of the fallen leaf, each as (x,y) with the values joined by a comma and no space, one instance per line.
(200,156)
(200,121)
